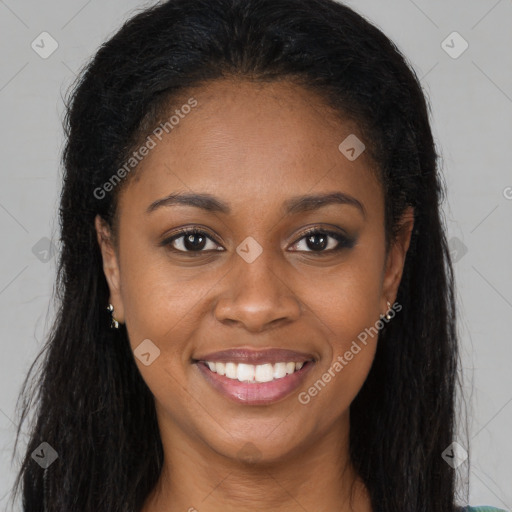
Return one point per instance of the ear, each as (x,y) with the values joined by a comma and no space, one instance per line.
(395,260)
(110,265)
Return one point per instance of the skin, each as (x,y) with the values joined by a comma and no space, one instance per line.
(253,146)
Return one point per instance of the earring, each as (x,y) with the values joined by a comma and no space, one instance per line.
(387,316)
(114,324)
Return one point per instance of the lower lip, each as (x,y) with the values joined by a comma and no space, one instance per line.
(257,393)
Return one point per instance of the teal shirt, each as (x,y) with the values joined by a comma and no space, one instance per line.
(484,509)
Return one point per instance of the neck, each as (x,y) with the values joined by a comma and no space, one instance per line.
(317,477)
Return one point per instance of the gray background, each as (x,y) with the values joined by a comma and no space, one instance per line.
(471,98)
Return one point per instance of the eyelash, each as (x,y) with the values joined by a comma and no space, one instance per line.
(343,241)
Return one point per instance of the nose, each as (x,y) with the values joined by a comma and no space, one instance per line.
(256,296)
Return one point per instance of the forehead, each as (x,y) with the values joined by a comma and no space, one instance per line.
(252,143)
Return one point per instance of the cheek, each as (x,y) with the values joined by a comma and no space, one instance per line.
(347,305)
(350,323)
(165,305)
(161,302)
(347,300)
(162,309)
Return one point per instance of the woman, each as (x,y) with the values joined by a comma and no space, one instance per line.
(257,301)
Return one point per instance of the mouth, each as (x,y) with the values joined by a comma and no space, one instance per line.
(255,377)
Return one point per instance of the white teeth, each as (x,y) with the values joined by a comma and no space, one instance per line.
(254,373)
(264,373)
(245,372)
(279,370)
(231,370)
(220,368)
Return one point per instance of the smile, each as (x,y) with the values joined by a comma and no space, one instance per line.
(254,373)
(255,377)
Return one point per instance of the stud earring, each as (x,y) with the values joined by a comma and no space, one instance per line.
(387,316)
(114,324)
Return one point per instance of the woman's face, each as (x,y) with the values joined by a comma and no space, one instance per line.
(253,289)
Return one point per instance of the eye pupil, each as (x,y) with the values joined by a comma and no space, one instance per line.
(190,245)
(317,246)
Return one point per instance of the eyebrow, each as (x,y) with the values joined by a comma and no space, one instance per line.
(291,206)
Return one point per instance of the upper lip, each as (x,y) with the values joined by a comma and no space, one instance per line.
(271,355)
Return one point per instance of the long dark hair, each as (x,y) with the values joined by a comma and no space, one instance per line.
(93,407)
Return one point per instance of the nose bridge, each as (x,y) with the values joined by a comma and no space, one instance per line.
(256,294)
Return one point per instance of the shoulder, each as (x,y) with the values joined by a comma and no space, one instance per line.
(483,509)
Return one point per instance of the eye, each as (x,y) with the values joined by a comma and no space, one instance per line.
(323,240)
(190,240)
(193,240)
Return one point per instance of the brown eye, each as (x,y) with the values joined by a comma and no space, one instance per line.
(323,241)
(191,240)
